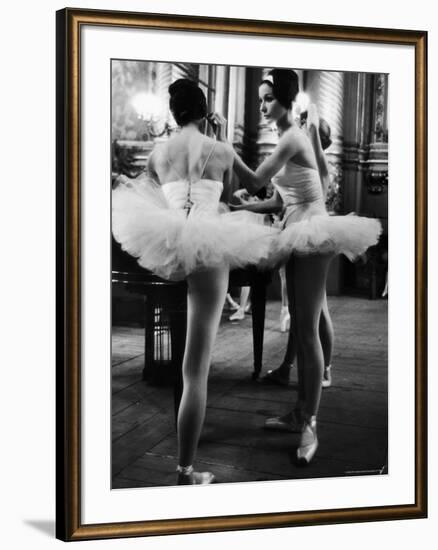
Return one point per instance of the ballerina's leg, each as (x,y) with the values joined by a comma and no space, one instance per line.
(283,287)
(206,295)
(309,276)
(281,374)
(293,349)
(239,315)
(307,284)
(327,336)
(292,420)
(285,277)
(326,332)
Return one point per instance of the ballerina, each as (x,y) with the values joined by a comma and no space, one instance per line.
(309,240)
(170,221)
(319,134)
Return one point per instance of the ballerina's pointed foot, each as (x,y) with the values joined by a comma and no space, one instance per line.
(238,316)
(308,442)
(327,377)
(290,422)
(187,476)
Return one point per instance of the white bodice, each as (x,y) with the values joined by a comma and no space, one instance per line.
(298,184)
(204,194)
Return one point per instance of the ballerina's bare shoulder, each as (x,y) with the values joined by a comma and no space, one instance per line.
(191,157)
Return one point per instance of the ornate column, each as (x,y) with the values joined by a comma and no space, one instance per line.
(375,192)
(236,107)
(366,146)
(222,90)
(326,90)
(366,167)
(357,101)
(164,77)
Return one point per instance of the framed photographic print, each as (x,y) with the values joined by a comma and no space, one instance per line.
(241,225)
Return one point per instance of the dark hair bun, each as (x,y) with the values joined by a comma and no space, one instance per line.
(187,101)
(285,86)
(324,133)
(181,85)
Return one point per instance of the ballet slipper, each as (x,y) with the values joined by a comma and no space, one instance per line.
(238,316)
(308,442)
(187,476)
(327,377)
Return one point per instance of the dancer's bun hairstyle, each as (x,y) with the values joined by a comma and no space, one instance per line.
(187,101)
(324,133)
(284,83)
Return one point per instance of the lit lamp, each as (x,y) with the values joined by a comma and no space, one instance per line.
(152,111)
(301,104)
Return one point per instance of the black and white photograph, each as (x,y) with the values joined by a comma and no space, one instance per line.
(249,269)
(216,275)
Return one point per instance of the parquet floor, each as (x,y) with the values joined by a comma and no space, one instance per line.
(352,424)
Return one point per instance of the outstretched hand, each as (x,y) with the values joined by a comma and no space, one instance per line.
(219,125)
(242,195)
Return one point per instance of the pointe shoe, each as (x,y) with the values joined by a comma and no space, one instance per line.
(327,377)
(284,319)
(238,316)
(308,442)
(279,375)
(290,422)
(187,476)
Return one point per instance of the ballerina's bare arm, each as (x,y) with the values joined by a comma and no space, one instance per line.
(273,205)
(286,149)
(321,159)
(313,123)
(288,146)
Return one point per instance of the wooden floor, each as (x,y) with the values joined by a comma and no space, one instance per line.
(352,424)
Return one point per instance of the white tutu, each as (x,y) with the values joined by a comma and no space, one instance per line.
(151,226)
(308,229)
(307,226)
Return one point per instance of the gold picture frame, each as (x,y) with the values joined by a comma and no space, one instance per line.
(69,25)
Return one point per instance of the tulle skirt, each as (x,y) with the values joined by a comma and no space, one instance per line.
(309,229)
(172,244)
